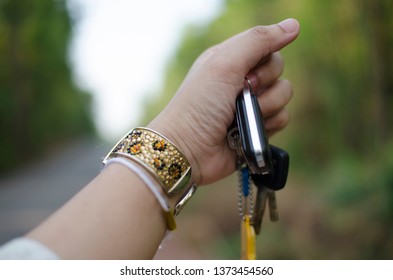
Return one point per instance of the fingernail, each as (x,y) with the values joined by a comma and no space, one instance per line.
(289,25)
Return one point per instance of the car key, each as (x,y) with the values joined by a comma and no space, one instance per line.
(273,209)
(266,165)
(260,205)
(255,146)
(265,196)
(267,185)
(277,178)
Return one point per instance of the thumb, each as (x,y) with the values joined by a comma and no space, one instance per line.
(249,47)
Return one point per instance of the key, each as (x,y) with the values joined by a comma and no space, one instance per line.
(267,184)
(260,205)
(273,209)
(264,196)
(254,143)
(276,179)
(267,164)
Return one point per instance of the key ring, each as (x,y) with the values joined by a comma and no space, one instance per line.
(259,164)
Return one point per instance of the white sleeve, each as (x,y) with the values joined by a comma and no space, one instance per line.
(23,248)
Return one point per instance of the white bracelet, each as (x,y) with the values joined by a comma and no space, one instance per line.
(150,183)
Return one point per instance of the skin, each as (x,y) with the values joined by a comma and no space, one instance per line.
(116,216)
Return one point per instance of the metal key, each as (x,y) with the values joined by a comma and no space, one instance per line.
(264,196)
(259,211)
(267,184)
(273,209)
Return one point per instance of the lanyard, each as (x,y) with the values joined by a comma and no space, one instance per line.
(246,209)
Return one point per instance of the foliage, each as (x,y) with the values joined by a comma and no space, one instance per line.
(340,136)
(39,106)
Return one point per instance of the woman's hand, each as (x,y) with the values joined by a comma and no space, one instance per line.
(198,116)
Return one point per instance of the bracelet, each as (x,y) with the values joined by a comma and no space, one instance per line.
(162,160)
(168,212)
(158,155)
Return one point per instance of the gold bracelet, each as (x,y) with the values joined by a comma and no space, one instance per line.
(163,160)
(158,155)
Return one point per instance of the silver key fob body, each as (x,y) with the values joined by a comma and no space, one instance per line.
(255,146)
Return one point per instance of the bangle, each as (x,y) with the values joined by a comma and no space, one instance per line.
(168,212)
(162,160)
(156,154)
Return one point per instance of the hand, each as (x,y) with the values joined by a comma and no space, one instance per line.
(198,116)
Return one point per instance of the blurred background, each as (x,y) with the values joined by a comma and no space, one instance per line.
(76,75)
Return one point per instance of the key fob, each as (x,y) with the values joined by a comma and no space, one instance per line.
(255,146)
(277,179)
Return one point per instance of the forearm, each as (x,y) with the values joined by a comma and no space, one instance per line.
(114,217)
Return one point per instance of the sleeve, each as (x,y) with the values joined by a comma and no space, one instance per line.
(23,248)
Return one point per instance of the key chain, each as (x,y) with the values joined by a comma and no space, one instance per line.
(246,208)
(259,164)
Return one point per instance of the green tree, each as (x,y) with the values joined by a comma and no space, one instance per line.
(39,105)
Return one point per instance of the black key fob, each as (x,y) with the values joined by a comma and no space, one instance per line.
(255,146)
(277,179)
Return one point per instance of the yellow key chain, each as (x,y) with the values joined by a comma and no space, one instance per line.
(247,239)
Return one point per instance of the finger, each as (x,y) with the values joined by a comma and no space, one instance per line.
(247,49)
(265,74)
(275,98)
(277,122)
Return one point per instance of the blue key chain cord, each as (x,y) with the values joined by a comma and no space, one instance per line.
(245,202)
(245,181)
